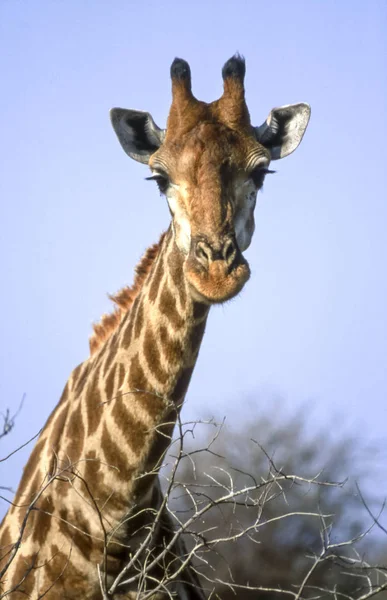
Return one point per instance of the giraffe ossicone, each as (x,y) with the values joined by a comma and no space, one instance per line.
(91,483)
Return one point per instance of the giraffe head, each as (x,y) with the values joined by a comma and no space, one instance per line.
(210,163)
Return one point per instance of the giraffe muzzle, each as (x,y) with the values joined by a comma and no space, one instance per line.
(216,271)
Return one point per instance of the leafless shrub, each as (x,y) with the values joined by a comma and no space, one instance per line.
(251,514)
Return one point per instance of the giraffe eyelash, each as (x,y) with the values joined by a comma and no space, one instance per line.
(162,181)
(258,175)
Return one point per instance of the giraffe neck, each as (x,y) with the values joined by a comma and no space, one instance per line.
(102,446)
(163,331)
(138,380)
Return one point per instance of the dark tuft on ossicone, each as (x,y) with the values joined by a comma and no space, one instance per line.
(235,67)
(180,70)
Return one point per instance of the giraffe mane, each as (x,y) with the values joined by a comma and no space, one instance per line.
(123,299)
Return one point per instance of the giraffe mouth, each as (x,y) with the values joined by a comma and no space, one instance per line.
(217,283)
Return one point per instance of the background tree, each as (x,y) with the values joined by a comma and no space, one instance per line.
(307,530)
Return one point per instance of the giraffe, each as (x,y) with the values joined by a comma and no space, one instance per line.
(90,489)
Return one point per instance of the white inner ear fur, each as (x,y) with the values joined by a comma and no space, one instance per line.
(180,222)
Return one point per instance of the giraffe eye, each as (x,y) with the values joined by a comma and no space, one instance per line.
(161,179)
(258,176)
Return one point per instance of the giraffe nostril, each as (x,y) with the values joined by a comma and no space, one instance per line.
(206,254)
(203,253)
(229,251)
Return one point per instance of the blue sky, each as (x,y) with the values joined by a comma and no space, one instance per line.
(76,213)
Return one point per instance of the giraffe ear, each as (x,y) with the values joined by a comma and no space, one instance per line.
(137,133)
(283,129)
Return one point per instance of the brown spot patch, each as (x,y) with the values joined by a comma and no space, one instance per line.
(79,535)
(61,568)
(79,377)
(127,334)
(76,436)
(94,406)
(177,275)
(36,485)
(115,456)
(152,403)
(24,577)
(137,379)
(30,469)
(130,321)
(58,428)
(151,353)
(63,524)
(92,467)
(111,353)
(167,306)
(139,320)
(109,384)
(172,349)
(42,519)
(157,276)
(121,375)
(160,444)
(134,430)
(81,539)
